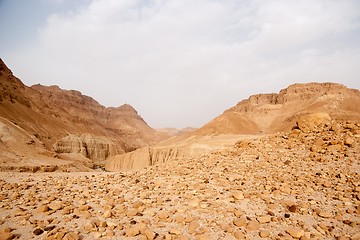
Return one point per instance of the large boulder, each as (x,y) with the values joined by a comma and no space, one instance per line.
(312,121)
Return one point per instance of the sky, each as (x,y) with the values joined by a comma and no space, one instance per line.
(180,63)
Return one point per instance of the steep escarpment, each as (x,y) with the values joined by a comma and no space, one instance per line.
(11,88)
(66,122)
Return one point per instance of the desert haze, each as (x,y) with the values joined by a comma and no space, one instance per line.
(274,166)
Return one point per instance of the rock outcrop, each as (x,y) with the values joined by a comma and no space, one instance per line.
(312,121)
(97,148)
(178,148)
(150,156)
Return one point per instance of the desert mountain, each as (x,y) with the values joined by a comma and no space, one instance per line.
(41,122)
(123,121)
(299,105)
(277,112)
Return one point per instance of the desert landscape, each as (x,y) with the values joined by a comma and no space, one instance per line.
(275,166)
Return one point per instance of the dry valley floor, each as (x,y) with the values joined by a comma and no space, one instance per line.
(295,185)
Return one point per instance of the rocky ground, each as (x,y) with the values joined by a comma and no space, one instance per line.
(297,185)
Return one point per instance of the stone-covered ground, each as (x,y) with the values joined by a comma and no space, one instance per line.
(296,185)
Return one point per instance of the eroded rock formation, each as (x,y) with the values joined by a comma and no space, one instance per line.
(150,156)
(93,147)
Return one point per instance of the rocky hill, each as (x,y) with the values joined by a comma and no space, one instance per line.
(298,106)
(42,122)
(123,121)
(270,113)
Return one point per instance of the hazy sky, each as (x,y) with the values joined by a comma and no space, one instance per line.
(180,62)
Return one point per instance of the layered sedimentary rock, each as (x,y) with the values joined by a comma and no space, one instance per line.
(178,148)
(93,147)
(150,156)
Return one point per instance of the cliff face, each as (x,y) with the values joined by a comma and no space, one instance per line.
(97,148)
(66,121)
(150,156)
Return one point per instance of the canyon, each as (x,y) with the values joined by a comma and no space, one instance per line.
(275,166)
(299,105)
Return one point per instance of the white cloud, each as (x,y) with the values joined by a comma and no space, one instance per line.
(183,62)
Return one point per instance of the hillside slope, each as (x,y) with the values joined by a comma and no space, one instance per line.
(270,113)
(63,123)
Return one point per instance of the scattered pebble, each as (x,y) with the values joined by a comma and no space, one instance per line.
(275,186)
